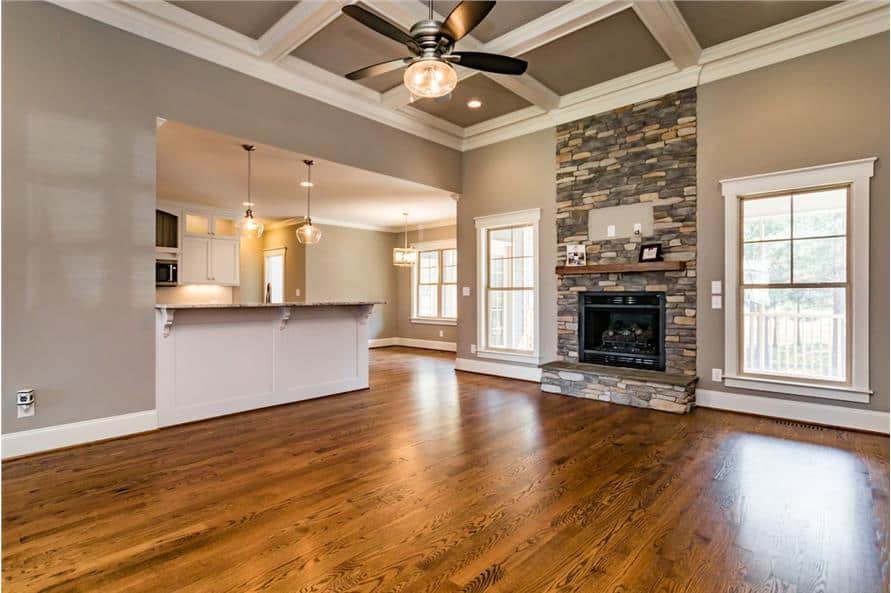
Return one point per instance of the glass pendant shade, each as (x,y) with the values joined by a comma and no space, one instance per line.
(249,225)
(309,234)
(404,256)
(430,78)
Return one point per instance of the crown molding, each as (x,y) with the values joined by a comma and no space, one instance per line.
(152,20)
(177,28)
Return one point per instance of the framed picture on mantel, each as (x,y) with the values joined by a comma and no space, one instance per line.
(650,252)
(575,255)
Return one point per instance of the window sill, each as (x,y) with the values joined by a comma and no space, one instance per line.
(835,392)
(424,321)
(509,356)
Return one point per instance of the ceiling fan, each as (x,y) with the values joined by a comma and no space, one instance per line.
(430,73)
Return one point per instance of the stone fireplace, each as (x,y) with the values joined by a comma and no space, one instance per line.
(627,332)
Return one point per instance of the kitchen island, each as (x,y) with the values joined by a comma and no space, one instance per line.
(218,359)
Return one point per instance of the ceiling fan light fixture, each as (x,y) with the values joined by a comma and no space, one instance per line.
(430,78)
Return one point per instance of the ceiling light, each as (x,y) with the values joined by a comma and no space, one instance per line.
(248,224)
(474,103)
(405,256)
(430,78)
(308,234)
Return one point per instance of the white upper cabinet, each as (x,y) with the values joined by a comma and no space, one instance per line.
(208,223)
(195,266)
(224,261)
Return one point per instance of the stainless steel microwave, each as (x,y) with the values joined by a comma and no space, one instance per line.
(166,272)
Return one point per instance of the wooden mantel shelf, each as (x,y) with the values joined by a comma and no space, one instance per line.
(653,266)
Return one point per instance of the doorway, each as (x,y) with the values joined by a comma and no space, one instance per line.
(274,275)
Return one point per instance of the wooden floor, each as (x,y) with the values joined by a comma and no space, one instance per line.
(440,481)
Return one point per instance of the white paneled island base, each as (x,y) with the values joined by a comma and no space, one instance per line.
(213,360)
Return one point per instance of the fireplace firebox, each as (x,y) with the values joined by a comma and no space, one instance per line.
(622,329)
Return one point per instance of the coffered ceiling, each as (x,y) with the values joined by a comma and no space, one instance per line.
(585,56)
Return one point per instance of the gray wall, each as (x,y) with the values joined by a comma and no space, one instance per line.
(513,175)
(823,108)
(353,264)
(79,105)
(421,331)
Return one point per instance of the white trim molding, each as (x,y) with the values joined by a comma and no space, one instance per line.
(413,343)
(857,173)
(511,371)
(810,412)
(26,442)
(483,225)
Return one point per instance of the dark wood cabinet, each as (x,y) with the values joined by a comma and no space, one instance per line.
(166,229)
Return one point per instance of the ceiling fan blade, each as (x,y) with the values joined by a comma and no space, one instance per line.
(489,62)
(465,17)
(378,69)
(382,26)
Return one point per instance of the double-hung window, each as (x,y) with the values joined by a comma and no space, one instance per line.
(507,259)
(435,278)
(797,281)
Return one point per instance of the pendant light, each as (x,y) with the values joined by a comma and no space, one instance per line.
(248,224)
(405,256)
(308,234)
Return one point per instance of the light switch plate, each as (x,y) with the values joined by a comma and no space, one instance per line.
(716,287)
(611,230)
(716,301)
(473,348)
(465,291)
(297,292)
(717,374)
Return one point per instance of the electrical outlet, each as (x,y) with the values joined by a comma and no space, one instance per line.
(611,230)
(473,348)
(440,333)
(717,374)
(637,229)
(716,287)
(716,301)
(297,292)
(465,291)
(24,403)
(25,411)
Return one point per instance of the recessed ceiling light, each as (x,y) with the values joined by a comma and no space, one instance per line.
(474,103)
(306,184)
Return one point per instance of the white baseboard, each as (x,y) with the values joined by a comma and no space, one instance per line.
(25,442)
(826,414)
(413,343)
(499,369)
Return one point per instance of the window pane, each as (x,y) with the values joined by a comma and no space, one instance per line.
(796,332)
(449,265)
(522,272)
(450,301)
(820,260)
(766,263)
(819,214)
(511,319)
(767,218)
(500,243)
(427,301)
(429,267)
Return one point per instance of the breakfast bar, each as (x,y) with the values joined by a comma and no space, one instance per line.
(219,359)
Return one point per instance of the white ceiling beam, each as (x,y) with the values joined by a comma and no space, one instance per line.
(555,24)
(406,14)
(668,27)
(297,25)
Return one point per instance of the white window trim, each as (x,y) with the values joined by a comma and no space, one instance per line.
(428,246)
(857,174)
(483,225)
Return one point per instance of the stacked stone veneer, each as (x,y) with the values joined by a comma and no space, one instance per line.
(642,153)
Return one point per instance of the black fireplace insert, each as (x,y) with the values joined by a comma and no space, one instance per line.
(622,329)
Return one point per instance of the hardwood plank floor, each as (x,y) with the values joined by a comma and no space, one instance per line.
(439,481)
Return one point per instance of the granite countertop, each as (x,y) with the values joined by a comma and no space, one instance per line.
(269,305)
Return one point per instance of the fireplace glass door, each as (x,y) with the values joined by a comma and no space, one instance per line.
(626,330)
